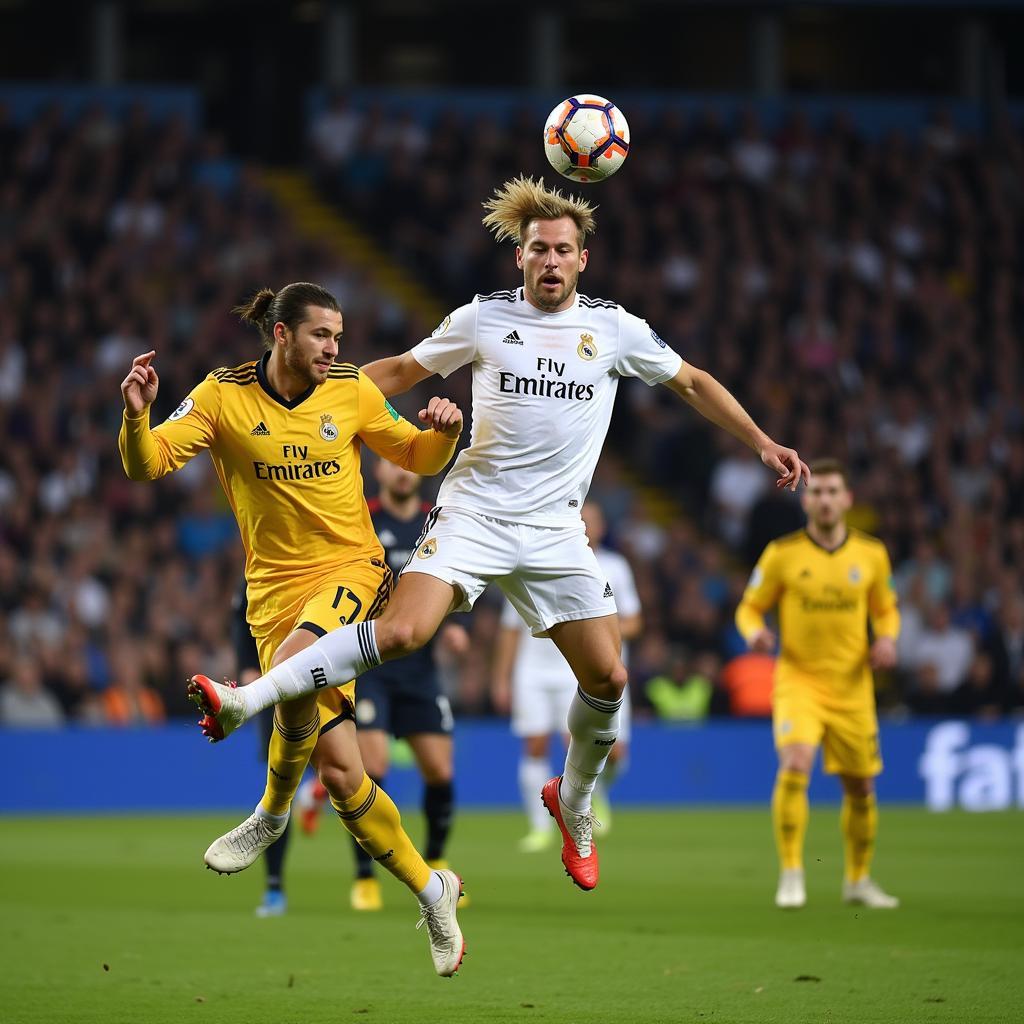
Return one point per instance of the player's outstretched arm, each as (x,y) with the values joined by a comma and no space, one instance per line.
(396,374)
(714,402)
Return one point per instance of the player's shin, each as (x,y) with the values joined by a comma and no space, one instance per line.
(289,753)
(373,819)
(593,726)
(438,806)
(334,659)
(790,812)
(859,824)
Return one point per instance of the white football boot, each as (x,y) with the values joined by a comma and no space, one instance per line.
(238,849)
(868,893)
(447,946)
(791,893)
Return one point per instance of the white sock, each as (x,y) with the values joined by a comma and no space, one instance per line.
(334,659)
(277,820)
(533,773)
(593,725)
(433,891)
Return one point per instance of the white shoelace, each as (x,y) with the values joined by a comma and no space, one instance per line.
(252,834)
(582,829)
(435,918)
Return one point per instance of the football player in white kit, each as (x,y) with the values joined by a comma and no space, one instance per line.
(546,365)
(535,683)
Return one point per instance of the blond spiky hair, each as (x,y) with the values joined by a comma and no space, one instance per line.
(522,200)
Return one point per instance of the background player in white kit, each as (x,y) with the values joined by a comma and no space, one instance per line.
(546,365)
(534,681)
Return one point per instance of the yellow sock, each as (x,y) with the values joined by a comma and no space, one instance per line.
(371,816)
(790,812)
(289,753)
(859,823)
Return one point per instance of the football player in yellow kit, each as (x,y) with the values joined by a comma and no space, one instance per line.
(827,581)
(284,434)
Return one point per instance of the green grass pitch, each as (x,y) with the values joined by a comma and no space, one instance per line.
(114,920)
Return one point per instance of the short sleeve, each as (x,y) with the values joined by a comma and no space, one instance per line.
(642,353)
(453,343)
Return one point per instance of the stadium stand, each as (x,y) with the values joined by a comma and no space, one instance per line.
(860,292)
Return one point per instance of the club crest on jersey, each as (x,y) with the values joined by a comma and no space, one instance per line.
(427,549)
(183,410)
(328,431)
(442,327)
(587,349)
(854,574)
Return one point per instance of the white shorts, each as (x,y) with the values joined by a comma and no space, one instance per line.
(549,573)
(540,707)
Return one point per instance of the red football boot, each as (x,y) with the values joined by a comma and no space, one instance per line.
(579,852)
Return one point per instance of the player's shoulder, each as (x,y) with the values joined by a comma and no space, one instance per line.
(591,303)
(501,295)
(866,540)
(343,371)
(240,376)
(789,540)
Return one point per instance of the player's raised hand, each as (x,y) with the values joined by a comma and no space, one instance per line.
(442,415)
(787,464)
(883,653)
(139,388)
(762,642)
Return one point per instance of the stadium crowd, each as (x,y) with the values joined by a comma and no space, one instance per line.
(862,297)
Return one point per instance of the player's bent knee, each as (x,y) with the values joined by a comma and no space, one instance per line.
(341,781)
(610,684)
(397,639)
(796,759)
(858,786)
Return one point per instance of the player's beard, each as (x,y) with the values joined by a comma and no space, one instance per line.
(301,366)
(542,301)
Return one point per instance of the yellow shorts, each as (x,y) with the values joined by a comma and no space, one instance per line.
(848,737)
(355,593)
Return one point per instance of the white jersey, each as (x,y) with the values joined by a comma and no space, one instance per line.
(543,389)
(538,661)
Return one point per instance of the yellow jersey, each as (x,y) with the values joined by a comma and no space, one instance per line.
(290,468)
(825,600)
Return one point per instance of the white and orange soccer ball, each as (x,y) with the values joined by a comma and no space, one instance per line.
(586,138)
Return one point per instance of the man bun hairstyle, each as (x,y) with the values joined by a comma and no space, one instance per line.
(522,200)
(825,466)
(288,307)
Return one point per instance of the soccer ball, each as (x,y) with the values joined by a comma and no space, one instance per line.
(586,138)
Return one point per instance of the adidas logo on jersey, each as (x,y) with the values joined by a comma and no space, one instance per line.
(260,430)
(608,592)
(512,338)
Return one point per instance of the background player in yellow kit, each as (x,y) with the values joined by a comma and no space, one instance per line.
(284,433)
(827,581)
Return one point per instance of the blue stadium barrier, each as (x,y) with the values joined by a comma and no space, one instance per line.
(940,764)
(27,100)
(873,117)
